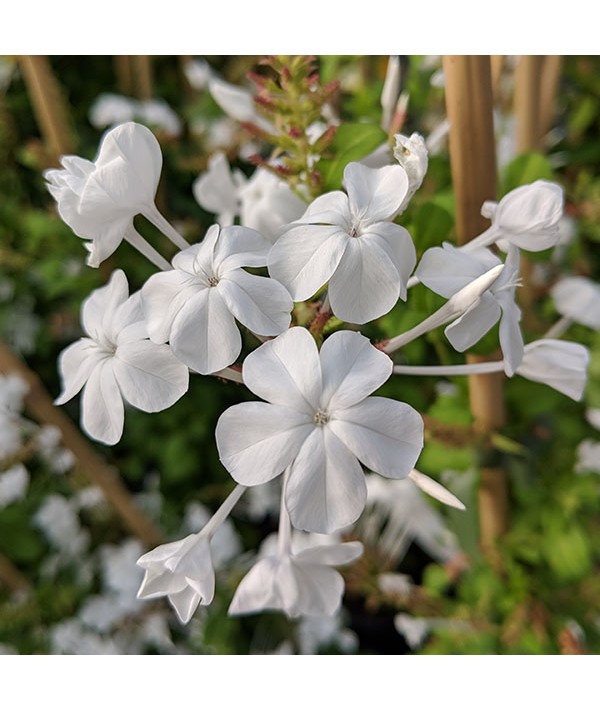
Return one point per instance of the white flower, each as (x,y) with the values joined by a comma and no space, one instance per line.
(560,364)
(182,571)
(195,305)
(60,524)
(350,241)
(197,72)
(237,102)
(158,114)
(98,200)
(268,204)
(411,152)
(13,390)
(264,202)
(448,269)
(588,456)
(112,109)
(297,583)
(318,421)
(13,485)
(592,415)
(413,629)
(578,298)
(116,362)
(528,217)
(217,189)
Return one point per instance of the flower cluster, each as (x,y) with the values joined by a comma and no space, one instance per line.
(317,421)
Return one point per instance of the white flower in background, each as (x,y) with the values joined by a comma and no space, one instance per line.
(158,114)
(527,217)
(195,305)
(198,73)
(314,632)
(58,521)
(445,270)
(414,629)
(263,202)
(10,436)
(237,102)
(350,241)
(13,390)
(592,415)
(318,421)
(578,298)
(225,543)
(116,363)
(297,582)
(98,200)
(48,441)
(268,204)
(183,571)
(112,109)
(71,637)
(390,91)
(588,457)
(217,190)
(560,364)
(412,154)
(397,514)
(14,483)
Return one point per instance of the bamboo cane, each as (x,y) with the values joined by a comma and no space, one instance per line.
(40,404)
(551,73)
(142,76)
(49,106)
(473,164)
(124,73)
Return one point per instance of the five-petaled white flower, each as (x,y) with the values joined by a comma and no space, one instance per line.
(195,305)
(448,269)
(297,582)
(350,241)
(116,362)
(181,570)
(319,421)
(98,200)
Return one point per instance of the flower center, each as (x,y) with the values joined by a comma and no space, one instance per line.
(321,417)
(212,281)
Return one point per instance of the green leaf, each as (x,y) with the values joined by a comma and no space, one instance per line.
(567,551)
(352,142)
(525,169)
(432,225)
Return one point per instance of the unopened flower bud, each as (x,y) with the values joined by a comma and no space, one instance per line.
(411,152)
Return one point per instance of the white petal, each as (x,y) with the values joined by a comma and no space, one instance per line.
(365,284)
(286,371)
(579,299)
(511,338)
(263,305)
(128,322)
(329,209)
(160,581)
(149,376)
(239,247)
(326,487)
(447,269)
(319,590)
(236,102)
(396,242)
(352,369)
(385,435)
(560,364)
(472,326)
(185,603)
(163,296)
(102,413)
(375,194)
(76,363)
(216,191)
(304,258)
(140,151)
(435,489)
(336,554)
(204,335)
(257,441)
(99,308)
(256,592)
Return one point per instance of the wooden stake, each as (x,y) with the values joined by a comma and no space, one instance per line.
(528,79)
(49,106)
(473,163)
(142,76)
(551,74)
(11,577)
(124,72)
(40,404)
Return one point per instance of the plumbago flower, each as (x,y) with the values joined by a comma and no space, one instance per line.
(195,305)
(350,241)
(527,217)
(578,299)
(319,421)
(116,363)
(263,202)
(98,200)
(297,579)
(448,269)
